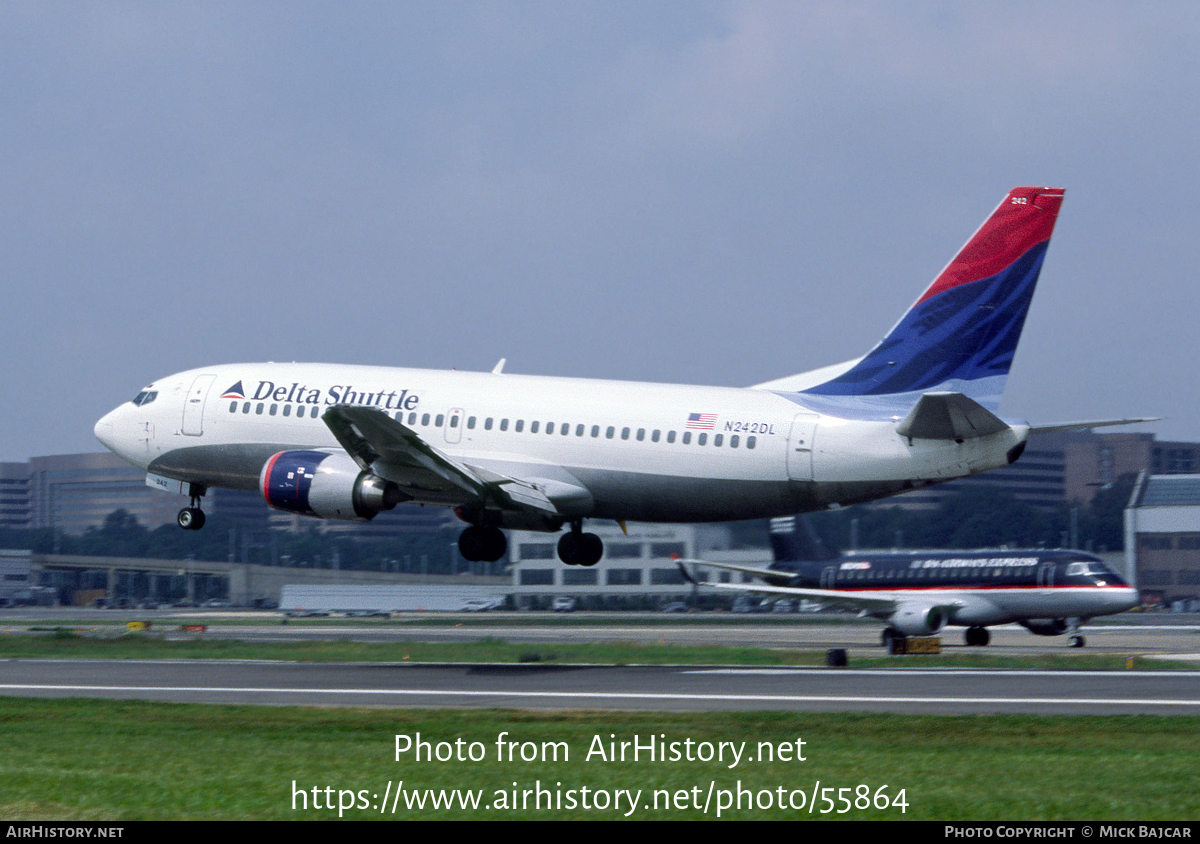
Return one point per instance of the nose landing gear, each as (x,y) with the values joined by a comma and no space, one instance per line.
(192,518)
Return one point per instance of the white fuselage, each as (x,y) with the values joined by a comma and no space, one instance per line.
(645,452)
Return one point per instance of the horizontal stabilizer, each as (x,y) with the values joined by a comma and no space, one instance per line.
(949,416)
(1083,426)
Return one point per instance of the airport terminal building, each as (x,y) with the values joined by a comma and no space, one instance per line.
(1162,538)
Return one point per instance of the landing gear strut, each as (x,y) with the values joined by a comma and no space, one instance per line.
(577,548)
(192,518)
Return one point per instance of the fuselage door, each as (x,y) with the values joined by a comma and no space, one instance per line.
(454,423)
(1046,574)
(800,447)
(193,405)
(829,577)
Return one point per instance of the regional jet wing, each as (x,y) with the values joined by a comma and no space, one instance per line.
(879,604)
(396,453)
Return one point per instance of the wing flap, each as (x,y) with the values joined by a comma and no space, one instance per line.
(396,453)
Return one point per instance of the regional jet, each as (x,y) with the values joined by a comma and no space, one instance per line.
(541,453)
(1048,592)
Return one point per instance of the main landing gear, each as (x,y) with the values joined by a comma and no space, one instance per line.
(482,544)
(577,548)
(1075,640)
(192,518)
(977,637)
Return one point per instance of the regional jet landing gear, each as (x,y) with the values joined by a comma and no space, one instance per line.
(1075,640)
(192,518)
(977,637)
(577,548)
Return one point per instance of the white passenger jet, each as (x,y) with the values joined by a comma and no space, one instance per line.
(539,453)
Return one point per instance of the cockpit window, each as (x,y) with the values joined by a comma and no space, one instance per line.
(145,397)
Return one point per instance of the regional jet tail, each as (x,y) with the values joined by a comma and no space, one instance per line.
(919,593)
(536,453)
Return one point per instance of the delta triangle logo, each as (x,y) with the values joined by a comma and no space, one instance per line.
(235,392)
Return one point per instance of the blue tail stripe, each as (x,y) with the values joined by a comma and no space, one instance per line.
(964,334)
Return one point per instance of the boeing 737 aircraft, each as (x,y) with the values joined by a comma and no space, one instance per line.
(917,594)
(540,453)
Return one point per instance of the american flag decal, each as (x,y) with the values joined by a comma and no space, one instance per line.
(702,421)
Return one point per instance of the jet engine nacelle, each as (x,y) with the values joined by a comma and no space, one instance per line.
(1046,626)
(919,619)
(326,485)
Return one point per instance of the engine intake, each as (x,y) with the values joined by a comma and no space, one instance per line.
(918,619)
(325,485)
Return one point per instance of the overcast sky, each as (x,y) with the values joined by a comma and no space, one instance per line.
(696,192)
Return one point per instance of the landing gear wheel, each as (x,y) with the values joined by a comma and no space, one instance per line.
(977,636)
(893,640)
(486,544)
(576,548)
(1075,642)
(190,518)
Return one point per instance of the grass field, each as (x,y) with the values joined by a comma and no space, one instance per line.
(111,760)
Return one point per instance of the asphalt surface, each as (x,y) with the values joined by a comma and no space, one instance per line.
(907,688)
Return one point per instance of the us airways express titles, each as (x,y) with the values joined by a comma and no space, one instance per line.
(539,453)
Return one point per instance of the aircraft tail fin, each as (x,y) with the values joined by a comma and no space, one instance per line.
(961,334)
(794,541)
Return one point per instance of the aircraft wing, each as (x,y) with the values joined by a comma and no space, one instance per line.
(879,604)
(870,603)
(396,453)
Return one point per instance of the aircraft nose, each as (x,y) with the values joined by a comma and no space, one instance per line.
(104,430)
(1132,598)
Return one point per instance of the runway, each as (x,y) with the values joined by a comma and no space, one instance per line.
(908,687)
(651,688)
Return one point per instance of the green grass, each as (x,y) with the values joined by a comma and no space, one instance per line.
(113,760)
